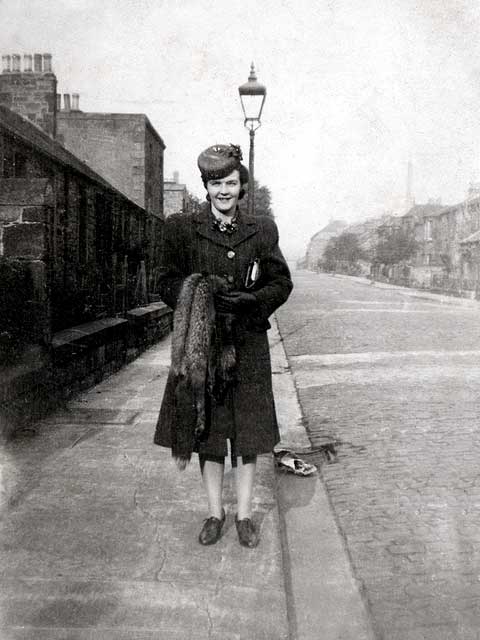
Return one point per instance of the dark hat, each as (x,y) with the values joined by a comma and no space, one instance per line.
(218,161)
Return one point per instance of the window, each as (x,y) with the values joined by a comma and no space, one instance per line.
(427,230)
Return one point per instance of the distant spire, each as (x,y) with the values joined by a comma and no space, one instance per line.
(409,199)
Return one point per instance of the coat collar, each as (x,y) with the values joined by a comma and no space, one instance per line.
(247,226)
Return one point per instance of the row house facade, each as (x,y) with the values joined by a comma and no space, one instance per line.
(448,240)
(367,232)
(447,255)
(428,261)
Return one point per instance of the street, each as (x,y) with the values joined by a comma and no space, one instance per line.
(391,383)
(98,531)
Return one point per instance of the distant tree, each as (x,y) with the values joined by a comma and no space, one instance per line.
(262,200)
(192,203)
(344,248)
(399,246)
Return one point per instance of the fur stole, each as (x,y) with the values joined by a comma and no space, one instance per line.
(203,362)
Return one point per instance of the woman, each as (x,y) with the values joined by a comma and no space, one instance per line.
(243,252)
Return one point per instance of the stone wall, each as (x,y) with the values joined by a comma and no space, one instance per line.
(78,358)
(92,238)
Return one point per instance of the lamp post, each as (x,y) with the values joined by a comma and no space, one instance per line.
(252,97)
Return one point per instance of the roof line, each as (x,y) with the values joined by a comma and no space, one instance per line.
(99,115)
(33,136)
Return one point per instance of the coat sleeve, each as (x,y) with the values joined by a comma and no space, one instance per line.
(173,262)
(275,282)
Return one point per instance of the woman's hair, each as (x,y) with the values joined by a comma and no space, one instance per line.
(244,174)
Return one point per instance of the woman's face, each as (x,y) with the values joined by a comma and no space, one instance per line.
(224,193)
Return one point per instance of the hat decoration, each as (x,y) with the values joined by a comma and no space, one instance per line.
(219,160)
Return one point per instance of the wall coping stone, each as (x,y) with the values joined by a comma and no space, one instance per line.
(42,376)
(150,311)
(84,334)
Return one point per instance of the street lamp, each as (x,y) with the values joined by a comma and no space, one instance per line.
(252,97)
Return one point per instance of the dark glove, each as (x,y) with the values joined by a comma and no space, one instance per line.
(218,283)
(234,302)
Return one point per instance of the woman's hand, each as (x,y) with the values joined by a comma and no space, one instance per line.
(234,302)
(218,283)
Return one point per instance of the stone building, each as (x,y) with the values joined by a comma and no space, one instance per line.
(176,197)
(57,210)
(448,244)
(429,259)
(123,148)
(455,244)
(448,253)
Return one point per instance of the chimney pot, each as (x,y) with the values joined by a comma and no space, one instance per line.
(176,177)
(16,63)
(66,101)
(37,62)
(6,62)
(59,101)
(75,102)
(27,63)
(47,63)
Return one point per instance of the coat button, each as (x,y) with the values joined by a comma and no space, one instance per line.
(230,279)
(231,255)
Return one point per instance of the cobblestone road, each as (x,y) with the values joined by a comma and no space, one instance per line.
(394,382)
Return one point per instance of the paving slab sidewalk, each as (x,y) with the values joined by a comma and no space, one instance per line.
(98,534)
(98,531)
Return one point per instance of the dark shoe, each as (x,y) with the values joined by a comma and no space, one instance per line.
(211,530)
(247,533)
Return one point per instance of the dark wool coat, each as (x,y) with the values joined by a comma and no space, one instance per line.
(192,245)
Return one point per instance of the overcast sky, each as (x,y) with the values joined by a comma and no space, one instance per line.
(355,88)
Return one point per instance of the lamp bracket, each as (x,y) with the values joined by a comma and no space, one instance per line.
(252,124)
